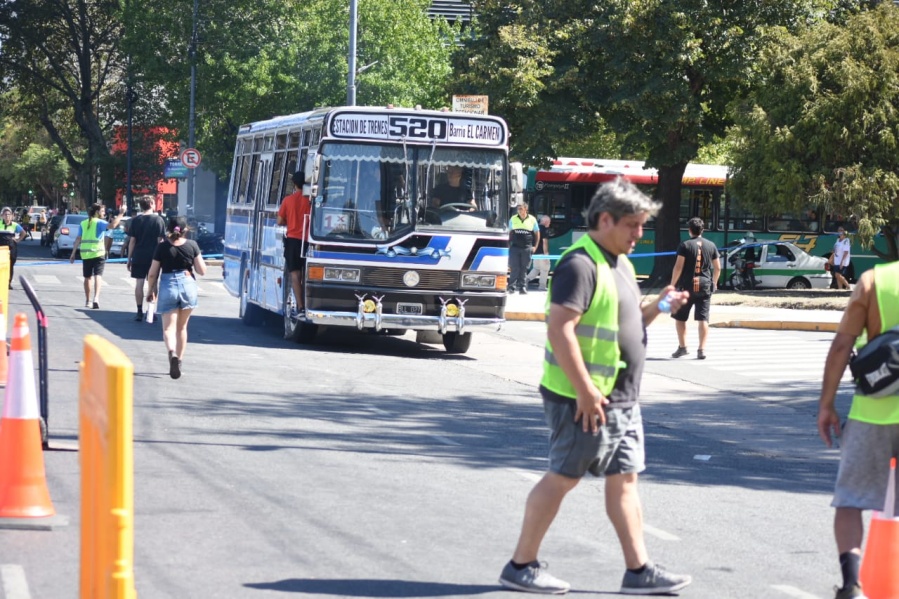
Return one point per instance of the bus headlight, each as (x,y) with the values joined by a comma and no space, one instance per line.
(341,275)
(478,281)
(368,306)
(452,310)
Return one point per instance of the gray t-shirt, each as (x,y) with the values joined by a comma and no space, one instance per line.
(573,286)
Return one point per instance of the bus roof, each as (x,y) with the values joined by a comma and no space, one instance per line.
(280,122)
(599,170)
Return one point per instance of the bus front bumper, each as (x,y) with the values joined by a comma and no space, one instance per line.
(378,321)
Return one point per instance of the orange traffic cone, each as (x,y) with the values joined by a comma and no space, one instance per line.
(23,483)
(879,574)
(3,359)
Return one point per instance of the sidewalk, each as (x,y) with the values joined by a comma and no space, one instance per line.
(532,306)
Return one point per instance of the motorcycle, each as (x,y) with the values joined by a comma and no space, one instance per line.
(743,276)
(209,242)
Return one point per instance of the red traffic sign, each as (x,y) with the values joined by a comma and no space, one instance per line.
(191,158)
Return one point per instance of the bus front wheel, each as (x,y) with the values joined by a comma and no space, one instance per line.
(296,329)
(456,343)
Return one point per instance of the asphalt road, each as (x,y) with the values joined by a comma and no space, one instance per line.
(371,466)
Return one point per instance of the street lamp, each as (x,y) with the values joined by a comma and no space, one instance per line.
(351,77)
(191,129)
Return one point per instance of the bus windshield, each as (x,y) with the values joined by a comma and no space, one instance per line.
(373,193)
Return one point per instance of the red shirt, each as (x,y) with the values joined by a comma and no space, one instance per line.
(294,209)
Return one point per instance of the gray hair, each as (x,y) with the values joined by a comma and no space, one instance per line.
(619,198)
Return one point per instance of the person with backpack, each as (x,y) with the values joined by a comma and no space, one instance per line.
(870,435)
(696,270)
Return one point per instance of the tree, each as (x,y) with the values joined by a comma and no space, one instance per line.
(62,56)
(660,74)
(261,58)
(29,161)
(822,127)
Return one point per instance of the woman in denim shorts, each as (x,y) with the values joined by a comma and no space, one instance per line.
(174,263)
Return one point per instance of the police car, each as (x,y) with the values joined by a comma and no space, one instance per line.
(774,264)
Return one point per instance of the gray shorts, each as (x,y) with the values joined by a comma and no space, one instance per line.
(617,449)
(864,471)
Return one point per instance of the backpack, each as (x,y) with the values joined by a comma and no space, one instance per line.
(876,366)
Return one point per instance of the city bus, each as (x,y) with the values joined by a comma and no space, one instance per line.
(383,256)
(564,191)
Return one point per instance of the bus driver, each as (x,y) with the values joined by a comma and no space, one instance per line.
(451,192)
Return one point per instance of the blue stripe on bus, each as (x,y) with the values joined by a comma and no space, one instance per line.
(488,252)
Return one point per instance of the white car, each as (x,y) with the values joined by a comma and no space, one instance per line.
(774,264)
(66,234)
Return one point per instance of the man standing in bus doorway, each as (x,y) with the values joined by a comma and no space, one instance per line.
(839,260)
(594,358)
(11,234)
(524,239)
(696,270)
(294,214)
(92,244)
(870,436)
(145,232)
(541,266)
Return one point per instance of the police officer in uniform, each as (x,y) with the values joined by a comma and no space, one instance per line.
(11,233)
(524,239)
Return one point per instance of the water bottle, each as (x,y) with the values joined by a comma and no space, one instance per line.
(151,311)
(665,304)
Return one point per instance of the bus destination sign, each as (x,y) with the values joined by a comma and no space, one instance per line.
(417,127)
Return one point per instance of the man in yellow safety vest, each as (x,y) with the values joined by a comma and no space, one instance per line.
(872,427)
(593,363)
(92,244)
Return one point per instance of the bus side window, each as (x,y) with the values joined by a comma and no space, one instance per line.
(254,175)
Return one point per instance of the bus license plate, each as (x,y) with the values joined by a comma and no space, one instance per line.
(409,309)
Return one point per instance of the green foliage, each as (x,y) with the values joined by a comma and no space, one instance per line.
(822,127)
(28,160)
(262,58)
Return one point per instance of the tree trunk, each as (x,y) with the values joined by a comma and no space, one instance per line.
(667,222)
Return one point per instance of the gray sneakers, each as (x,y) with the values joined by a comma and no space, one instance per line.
(654,580)
(532,579)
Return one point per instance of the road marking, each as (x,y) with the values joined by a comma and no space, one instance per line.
(129,280)
(531,476)
(45,279)
(792,591)
(659,533)
(14,584)
(702,458)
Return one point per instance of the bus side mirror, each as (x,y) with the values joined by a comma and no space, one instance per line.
(310,170)
(516,175)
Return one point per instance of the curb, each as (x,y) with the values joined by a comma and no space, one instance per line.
(535,316)
(778,325)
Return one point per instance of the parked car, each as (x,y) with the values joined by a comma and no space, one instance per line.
(775,264)
(119,236)
(64,239)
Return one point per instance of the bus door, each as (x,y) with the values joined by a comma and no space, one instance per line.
(257,234)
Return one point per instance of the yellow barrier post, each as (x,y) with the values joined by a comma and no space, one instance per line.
(107,472)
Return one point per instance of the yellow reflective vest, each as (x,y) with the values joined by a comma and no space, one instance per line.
(884,410)
(91,245)
(596,331)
